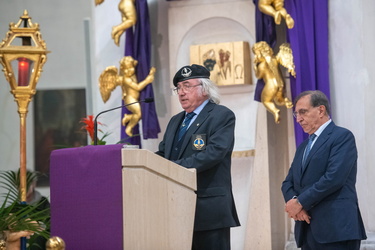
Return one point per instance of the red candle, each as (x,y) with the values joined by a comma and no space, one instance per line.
(23,71)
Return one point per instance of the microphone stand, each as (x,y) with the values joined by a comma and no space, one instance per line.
(147,100)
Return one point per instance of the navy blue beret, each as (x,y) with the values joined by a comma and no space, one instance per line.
(190,72)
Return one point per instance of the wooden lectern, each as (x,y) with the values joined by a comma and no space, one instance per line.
(158,202)
(107,197)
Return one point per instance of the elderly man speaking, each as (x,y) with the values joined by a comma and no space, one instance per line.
(202,137)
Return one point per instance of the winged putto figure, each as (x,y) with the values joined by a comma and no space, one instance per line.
(128,16)
(275,8)
(266,67)
(131,88)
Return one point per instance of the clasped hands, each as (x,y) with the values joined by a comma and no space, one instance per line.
(296,211)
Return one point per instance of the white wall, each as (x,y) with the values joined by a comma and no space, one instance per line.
(352,65)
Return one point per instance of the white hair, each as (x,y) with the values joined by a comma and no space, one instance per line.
(210,89)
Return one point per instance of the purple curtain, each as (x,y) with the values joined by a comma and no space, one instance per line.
(309,42)
(142,50)
(264,31)
(138,45)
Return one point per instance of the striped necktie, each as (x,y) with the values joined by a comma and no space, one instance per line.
(185,125)
(308,148)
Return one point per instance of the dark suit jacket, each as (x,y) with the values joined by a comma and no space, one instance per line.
(326,187)
(215,206)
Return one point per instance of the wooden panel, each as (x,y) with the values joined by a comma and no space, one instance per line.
(159,202)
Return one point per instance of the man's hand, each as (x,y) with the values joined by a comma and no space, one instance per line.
(293,207)
(303,216)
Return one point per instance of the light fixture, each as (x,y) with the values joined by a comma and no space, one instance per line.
(22,55)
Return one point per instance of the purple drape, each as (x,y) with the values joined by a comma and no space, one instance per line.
(138,45)
(309,42)
(264,31)
(142,50)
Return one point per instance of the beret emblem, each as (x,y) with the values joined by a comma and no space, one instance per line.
(186,72)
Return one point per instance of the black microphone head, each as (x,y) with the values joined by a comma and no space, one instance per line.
(149,99)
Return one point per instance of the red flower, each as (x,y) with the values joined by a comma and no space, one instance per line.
(89,127)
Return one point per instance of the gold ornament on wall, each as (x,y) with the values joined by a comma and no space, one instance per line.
(131,88)
(228,63)
(128,17)
(275,8)
(266,67)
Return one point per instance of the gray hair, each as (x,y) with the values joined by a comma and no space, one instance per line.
(317,98)
(210,89)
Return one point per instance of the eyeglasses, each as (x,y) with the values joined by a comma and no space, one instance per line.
(302,112)
(185,88)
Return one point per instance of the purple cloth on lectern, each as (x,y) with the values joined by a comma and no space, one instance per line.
(309,42)
(139,47)
(86,197)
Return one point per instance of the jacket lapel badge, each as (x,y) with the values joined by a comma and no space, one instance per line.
(198,141)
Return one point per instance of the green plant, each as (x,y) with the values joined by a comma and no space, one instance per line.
(16,216)
(10,181)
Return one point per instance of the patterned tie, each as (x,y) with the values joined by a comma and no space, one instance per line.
(308,147)
(185,125)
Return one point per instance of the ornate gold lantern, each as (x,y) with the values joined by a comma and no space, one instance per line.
(23,54)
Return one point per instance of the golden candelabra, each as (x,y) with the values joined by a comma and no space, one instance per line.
(22,55)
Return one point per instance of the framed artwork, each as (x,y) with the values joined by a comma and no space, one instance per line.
(57,115)
(228,63)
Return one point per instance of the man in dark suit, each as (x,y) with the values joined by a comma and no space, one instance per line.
(319,189)
(202,137)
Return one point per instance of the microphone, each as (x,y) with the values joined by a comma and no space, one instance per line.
(146,100)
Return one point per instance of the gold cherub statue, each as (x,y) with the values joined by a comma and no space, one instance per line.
(128,16)
(266,67)
(127,79)
(275,8)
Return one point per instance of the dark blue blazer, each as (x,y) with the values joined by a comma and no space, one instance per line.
(326,187)
(215,206)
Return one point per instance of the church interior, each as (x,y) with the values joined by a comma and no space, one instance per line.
(86,43)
